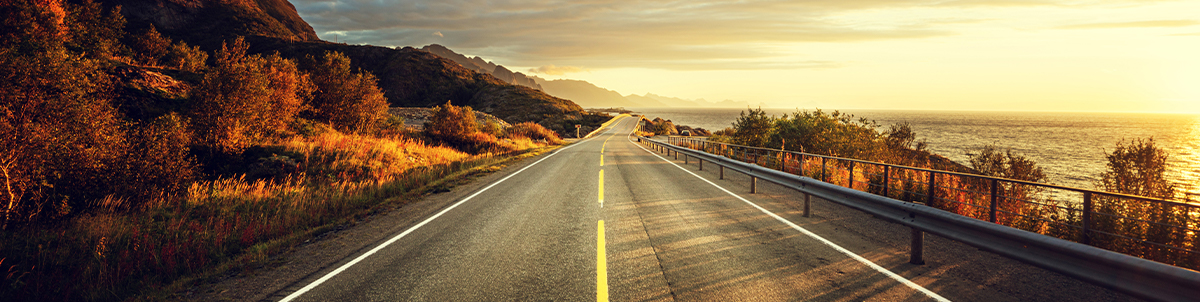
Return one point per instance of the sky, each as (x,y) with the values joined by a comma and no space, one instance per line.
(1007,55)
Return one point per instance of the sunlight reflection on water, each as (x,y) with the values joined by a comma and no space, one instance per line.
(1071,147)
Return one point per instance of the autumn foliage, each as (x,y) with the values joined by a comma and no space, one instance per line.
(110,189)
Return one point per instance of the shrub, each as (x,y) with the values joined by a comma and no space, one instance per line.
(480,143)
(245,98)
(150,46)
(158,161)
(392,126)
(532,130)
(190,59)
(348,100)
(753,128)
(448,122)
(835,134)
(1018,198)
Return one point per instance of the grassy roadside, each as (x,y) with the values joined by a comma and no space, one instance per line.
(311,186)
(267,253)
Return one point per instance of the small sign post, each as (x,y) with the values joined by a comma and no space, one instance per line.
(577,130)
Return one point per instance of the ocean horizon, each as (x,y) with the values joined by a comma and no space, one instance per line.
(1069,146)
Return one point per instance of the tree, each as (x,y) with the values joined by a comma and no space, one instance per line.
(835,134)
(348,100)
(94,32)
(753,128)
(243,99)
(150,46)
(1140,168)
(59,132)
(1017,200)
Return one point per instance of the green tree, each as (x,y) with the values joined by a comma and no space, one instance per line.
(835,134)
(349,100)
(754,128)
(1137,168)
(1140,168)
(244,98)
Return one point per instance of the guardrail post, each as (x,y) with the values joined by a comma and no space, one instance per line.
(801,164)
(929,192)
(676,152)
(851,186)
(916,249)
(824,175)
(806,200)
(701,165)
(722,171)
(685,159)
(887,178)
(1084,237)
(992,206)
(753,184)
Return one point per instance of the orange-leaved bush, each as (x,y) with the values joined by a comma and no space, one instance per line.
(244,98)
(532,130)
(455,126)
(348,100)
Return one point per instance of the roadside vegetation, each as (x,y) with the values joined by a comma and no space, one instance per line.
(1136,167)
(130,162)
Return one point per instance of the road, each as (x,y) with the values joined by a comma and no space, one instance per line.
(606,219)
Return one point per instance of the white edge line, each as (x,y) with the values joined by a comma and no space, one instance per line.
(885,271)
(330,275)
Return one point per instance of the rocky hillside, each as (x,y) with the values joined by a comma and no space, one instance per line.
(207,22)
(480,65)
(412,77)
(409,77)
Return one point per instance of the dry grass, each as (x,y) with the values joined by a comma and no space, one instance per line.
(229,222)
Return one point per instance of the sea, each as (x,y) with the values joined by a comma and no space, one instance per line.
(1069,146)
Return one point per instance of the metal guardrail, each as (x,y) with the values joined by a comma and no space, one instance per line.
(1132,275)
(1156,229)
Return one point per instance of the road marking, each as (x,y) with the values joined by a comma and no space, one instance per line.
(601,160)
(360,258)
(601,265)
(601,188)
(878,268)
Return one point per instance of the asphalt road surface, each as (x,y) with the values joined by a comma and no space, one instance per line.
(606,219)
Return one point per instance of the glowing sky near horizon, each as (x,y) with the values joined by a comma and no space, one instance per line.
(1013,55)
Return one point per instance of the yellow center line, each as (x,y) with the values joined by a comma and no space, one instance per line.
(601,265)
(601,188)
(601,160)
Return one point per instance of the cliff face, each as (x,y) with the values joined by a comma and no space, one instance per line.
(208,22)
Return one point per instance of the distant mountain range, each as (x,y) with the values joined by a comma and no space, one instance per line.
(585,94)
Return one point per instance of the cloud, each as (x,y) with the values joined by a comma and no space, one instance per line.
(556,70)
(1188,34)
(1134,24)
(438,34)
(618,33)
